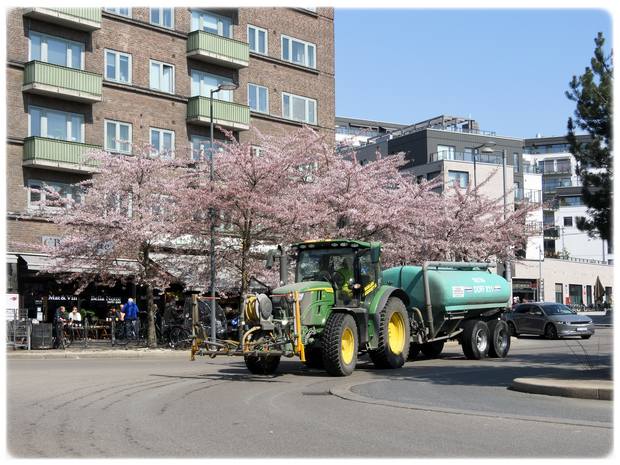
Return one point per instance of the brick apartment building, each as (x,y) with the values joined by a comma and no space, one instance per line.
(79,78)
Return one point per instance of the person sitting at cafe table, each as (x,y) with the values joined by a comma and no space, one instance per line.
(75,316)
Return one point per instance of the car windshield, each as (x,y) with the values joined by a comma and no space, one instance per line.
(557,309)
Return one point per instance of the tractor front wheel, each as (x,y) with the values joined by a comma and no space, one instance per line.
(393,333)
(340,344)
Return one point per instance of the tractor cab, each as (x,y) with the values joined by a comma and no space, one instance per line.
(350,267)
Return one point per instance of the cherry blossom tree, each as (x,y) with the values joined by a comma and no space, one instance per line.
(127,212)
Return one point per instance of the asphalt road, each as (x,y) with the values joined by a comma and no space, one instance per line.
(171,407)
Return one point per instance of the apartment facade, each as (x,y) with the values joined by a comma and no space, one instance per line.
(84,78)
(355,132)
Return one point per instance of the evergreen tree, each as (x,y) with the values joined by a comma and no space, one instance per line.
(592,93)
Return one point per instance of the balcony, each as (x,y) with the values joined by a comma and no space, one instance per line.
(527,195)
(217,49)
(226,114)
(84,19)
(466,156)
(59,155)
(62,82)
(551,232)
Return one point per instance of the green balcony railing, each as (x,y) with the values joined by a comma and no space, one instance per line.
(61,80)
(218,49)
(226,114)
(82,18)
(58,153)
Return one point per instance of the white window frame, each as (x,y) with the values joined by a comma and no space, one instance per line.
(117,61)
(257,29)
(43,123)
(216,95)
(215,15)
(33,183)
(158,150)
(290,50)
(307,99)
(161,17)
(117,137)
(44,48)
(161,75)
(117,12)
(257,99)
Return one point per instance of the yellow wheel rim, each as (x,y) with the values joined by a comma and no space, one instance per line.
(396,333)
(347,345)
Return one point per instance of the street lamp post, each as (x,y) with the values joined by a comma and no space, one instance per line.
(225,86)
(487,147)
(508,273)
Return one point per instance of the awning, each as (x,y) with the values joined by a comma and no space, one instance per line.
(11,258)
(36,262)
(39,262)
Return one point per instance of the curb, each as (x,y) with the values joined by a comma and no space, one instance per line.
(344,391)
(582,389)
(109,354)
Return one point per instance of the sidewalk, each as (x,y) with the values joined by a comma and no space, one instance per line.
(95,352)
(600,388)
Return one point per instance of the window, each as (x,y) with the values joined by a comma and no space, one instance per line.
(571,201)
(117,136)
(298,52)
(162,141)
(203,83)
(210,22)
(257,38)
(298,108)
(588,295)
(120,11)
(162,17)
(461,178)
(558,293)
(568,221)
(201,145)
(54,124)
(515,162)
(575,292)
(38,193)
(118,66)
(446,152)
(57,51)
(258,98)
(162,77)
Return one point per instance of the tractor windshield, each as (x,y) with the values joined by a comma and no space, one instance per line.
(334,265)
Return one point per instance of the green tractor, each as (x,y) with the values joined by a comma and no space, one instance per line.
(342,305)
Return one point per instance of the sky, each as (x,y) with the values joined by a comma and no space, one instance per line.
(507,69)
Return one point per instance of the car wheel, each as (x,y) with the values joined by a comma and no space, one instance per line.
(550,331)
(513,329)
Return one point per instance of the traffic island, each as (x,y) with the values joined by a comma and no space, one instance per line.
(600,389)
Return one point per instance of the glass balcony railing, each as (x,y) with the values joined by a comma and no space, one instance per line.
(58,154)
(528,195)
(466,156)
(226,114)
(550,232)
(554,186)
(559,169)
(85,19)
(217,49)
(61,81)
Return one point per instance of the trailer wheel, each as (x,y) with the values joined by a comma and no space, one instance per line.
(314,358)
(500,338)
(262,365)
(393,332)
(433,349)
(340,345)
(414,350)
(475,339)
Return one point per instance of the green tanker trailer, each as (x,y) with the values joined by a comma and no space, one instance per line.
(342,305)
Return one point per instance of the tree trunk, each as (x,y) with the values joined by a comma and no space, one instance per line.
(152,335)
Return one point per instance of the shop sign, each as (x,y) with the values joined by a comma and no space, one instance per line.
(51,241)
(106,299)
(11,301)
(62,297)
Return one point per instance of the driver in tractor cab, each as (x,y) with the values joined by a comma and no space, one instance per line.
(346,271)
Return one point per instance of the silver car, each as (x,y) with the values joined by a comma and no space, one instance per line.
(548,319)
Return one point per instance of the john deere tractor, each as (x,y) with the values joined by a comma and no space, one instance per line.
(336,309)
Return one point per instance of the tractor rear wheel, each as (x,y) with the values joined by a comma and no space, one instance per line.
(393,333)
(262,365)
(433,349)
(340,344)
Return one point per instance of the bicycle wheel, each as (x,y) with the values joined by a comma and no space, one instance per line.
(179,338)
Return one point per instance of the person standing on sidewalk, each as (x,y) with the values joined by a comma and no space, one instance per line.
(131,318)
